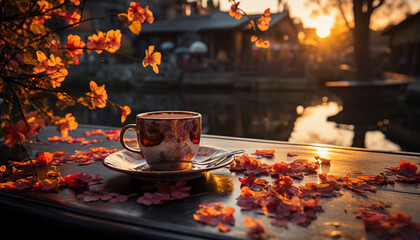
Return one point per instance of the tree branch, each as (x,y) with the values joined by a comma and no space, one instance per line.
(343,15)
(372,8)
(81,21)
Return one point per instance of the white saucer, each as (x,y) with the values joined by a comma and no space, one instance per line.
(135,165)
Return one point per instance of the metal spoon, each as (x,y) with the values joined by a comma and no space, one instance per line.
(217,158)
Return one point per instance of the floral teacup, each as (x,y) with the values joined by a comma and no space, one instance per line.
(168,140)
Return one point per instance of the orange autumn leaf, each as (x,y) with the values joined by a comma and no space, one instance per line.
(409,166)
(67,123)
(126,110)
(234,11)
(15,134)
(98,95)
(64,100)
(135,27)
(6,185)
(113,40)
(216,214)
(152,59)
(255,227)
(264,20)
(35,123)
(75,47)
(44,158)
(268,153)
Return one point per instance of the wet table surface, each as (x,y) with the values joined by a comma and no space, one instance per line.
(174,219)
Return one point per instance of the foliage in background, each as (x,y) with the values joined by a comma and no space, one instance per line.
(35,62)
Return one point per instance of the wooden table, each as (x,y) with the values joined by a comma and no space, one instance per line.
(40,212)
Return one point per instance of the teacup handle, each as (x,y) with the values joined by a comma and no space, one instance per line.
(122,133)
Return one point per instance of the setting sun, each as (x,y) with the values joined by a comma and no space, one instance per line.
(323,31)
(323,25)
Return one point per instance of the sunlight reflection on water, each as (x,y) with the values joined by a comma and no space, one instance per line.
(312,126)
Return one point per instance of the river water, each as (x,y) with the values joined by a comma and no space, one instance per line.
(296,116)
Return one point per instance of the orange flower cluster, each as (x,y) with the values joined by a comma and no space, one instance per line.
(152,59)
(137,13)
(264,20)
(110,41)
(259,42)
(263,24)
(53,67)
(72,17)
(135,16)
(96,98)
(234,11)
(75,47)
(41,63)
(98,95)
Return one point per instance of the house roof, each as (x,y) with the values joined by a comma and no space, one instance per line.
(409,20)
(211,21)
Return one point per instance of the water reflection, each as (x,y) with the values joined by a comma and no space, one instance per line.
(313,126)
(295,116)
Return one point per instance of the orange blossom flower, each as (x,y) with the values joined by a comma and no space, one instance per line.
(137,13)
(259,42)
(113,39)
(97,42)
(152,59)
(234,11)
(67,123)
(264,20)
(98,94)
(53,66)
(126,110)
(75,47)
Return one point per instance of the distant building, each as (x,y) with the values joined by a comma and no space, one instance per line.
(227,38)
(404,43)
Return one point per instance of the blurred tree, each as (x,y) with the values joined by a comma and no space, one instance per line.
(360,11)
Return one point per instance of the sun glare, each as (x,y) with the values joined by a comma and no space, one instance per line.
(323,25)
(322,31)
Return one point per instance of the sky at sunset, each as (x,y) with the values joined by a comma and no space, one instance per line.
(297,9)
